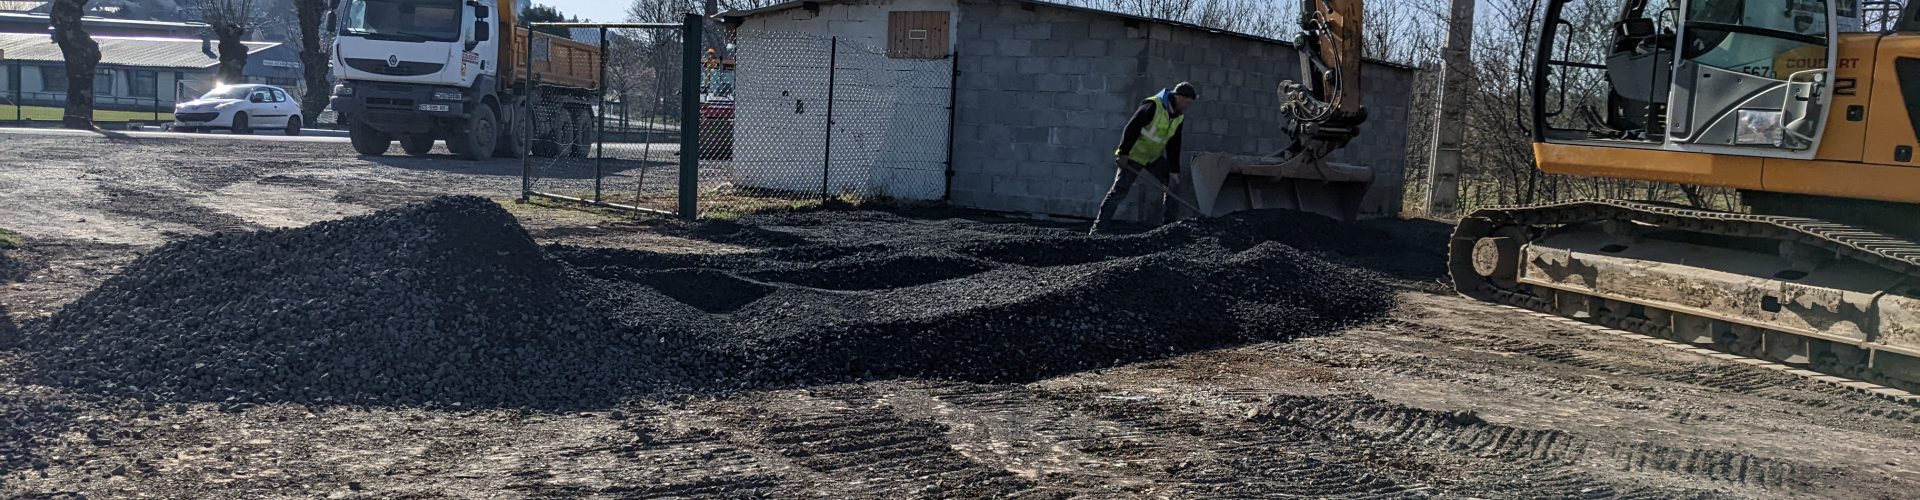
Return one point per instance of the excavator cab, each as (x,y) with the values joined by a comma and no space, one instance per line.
(1805,111)
(1732,77)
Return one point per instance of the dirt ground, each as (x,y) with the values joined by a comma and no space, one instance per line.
(1447,397)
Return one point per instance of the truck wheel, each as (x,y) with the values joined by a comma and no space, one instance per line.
(476,142)
(545,141)
(583,134)
(417,144)
(368,141)
(240,125)
(510,146)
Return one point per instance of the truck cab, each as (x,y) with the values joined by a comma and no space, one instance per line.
(421,70)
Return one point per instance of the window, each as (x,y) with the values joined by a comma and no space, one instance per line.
(403,20)
(1755,38)
(144,84)
(279,96)
(917,34)
(53,79)
(103,83)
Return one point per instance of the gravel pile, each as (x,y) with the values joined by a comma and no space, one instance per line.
(878,295)
(450,303)
(445,302)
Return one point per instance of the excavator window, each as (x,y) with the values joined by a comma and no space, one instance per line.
(1678,73)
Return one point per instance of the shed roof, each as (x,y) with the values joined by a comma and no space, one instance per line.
(22,5)
(800,3)
(146,52)
(91,21)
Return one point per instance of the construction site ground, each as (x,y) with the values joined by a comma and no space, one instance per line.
(1441,397)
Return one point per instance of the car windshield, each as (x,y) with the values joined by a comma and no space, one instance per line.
(227,93)
(417,20)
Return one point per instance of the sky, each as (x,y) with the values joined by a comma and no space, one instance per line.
(604,11)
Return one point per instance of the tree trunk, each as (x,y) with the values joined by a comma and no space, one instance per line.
(313,59)
(233,54)
(82,55)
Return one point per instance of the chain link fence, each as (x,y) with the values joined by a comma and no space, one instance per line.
(816,118)
(616,144)
(783,119)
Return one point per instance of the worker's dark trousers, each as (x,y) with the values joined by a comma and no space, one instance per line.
(1123,181)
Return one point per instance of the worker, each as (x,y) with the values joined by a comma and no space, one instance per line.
(1151,142)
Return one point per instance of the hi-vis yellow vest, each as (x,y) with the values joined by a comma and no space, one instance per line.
(1153,138)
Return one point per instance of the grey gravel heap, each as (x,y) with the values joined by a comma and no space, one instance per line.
(450,303)
(878,295)
(444,302)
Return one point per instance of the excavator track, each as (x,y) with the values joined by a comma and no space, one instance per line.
(1810,294)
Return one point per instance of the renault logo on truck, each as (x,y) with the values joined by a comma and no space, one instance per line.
(393,61)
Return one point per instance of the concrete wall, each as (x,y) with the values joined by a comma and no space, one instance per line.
(1044,91)
(890,119)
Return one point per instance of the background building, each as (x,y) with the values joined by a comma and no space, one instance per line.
(1041,94)
(135,73)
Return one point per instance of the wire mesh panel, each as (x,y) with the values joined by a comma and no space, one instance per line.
(783,119)
(811,118)
(614,143)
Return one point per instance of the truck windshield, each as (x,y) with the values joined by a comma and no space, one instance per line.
(418,20)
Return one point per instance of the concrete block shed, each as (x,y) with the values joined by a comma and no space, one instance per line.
(1043,90)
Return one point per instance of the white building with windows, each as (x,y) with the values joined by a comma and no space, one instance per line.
(135,73)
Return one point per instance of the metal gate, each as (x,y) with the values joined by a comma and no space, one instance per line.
(618,143)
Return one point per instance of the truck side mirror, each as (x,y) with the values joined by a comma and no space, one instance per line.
(482,31)
(480,12)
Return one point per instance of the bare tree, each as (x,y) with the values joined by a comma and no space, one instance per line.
(82,54)
(313,56)
(230,21)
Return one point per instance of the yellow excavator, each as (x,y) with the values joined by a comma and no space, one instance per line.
(1809,109)
(1323,111)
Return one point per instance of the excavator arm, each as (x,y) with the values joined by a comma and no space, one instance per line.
(1324,112)
(1330,55)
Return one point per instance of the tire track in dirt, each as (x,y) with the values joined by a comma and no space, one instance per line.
(1710,374)
(170,209)
(1545,450)
(1737,468)
(696,463)
(1111,442)
(854,440)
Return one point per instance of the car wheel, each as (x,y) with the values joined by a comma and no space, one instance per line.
(368,141)
(417,144)
(477,140)
(293,125)
(240,126)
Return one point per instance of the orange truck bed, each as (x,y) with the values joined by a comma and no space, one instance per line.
(556,60)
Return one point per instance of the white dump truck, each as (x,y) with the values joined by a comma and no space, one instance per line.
(420,70)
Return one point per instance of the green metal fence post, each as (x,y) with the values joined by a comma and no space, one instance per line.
(526,117)
(833,69)
(690,117)
(598,113)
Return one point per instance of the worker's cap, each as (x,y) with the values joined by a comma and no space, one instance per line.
(1186,89)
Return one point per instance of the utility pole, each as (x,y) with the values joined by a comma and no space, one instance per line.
(1456,64)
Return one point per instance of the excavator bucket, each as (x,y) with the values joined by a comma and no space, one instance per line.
(1225,183)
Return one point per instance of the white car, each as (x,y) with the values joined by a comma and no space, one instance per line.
(239,108)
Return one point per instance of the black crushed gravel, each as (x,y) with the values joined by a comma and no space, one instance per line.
(877,295)
(450,303)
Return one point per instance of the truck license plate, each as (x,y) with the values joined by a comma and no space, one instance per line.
(434,107)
